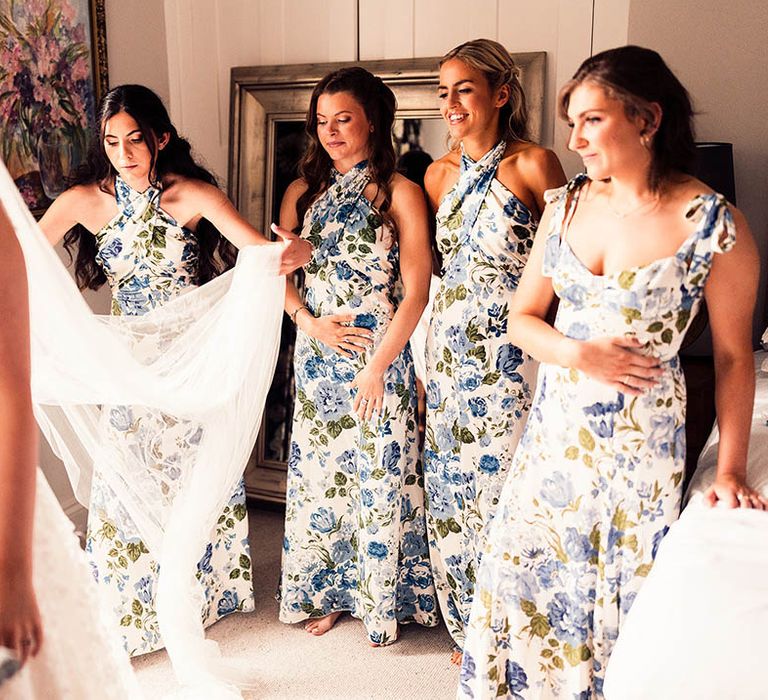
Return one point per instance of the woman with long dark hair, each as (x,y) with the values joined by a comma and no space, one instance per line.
(150,221)
(630,247)
(488,194)
(355,537)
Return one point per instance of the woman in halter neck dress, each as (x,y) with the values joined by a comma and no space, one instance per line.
(355,534)
(488,193)
(147,220)
(630,248)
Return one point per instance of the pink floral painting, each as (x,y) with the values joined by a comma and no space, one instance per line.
(47,93)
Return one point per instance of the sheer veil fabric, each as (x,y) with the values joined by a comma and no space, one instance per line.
(206,357)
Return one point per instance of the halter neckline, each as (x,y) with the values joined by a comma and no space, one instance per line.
(124,193)
(494,154)
(355,170)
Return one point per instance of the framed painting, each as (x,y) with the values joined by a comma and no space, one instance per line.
(53,72)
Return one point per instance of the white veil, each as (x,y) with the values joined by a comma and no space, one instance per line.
(206,357)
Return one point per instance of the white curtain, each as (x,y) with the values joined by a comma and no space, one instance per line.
(206,357)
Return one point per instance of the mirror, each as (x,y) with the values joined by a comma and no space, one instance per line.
(268,106)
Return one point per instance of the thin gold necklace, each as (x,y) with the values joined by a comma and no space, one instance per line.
(624,214)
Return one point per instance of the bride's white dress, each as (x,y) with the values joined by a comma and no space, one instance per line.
(80,659)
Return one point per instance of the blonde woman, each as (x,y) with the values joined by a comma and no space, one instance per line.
(488,195)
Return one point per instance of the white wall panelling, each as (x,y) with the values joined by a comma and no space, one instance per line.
(206,38)
(386,29)
(562,28)
(611,24)
(136,44)
(439,25)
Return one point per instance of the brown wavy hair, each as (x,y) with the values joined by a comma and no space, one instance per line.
(379,104)
(499,69)
(638,77)
(216,255)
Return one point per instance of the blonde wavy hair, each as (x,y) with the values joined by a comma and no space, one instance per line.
(499,69)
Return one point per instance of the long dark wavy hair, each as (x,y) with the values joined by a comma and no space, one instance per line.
(217,254)
(378,103)
(638,77)
(499,69)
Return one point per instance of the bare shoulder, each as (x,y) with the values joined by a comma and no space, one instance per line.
(687,187)
(84,204)
(297,188)
(288,216)
(441,175)
(743,231)
(443,168)
(181,188)
(681,191)
(86,195)
(405,193)
(403,187)
(532,162)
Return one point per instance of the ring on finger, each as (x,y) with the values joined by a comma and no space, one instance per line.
(625,380)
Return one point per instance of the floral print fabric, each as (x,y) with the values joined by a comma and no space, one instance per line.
(355,532)
(479,385)
(596,480)
(148,258)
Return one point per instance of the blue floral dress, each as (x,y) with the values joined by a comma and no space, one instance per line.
(149,258)
(355,532)
(479,386)
(596,480)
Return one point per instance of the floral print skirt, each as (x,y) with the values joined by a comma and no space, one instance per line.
(593,489)
(127,571)
(475,417)
(355,533)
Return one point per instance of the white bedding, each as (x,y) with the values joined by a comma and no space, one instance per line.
(699,626)
(757,465)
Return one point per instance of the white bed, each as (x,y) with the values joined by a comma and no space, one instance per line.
(699,626)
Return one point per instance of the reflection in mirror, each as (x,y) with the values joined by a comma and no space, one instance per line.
(290,142)
(418,142)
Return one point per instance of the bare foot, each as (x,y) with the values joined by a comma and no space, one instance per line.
(456,655)
(320,625)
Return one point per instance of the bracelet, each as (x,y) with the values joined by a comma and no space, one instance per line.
(293,313)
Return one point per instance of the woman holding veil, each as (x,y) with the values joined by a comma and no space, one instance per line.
(146,219)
